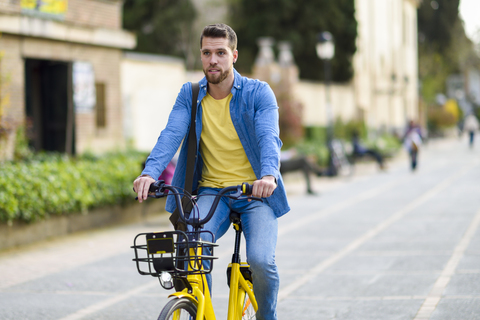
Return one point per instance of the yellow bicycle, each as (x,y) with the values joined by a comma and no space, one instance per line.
(182,259)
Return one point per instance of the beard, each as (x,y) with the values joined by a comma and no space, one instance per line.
(216,79)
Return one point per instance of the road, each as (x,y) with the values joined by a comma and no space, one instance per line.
(383,245)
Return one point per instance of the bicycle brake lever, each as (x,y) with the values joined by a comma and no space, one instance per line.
(158,194)
(248,198)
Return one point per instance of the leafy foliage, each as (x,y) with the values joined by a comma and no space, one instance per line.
(161,26)
(435,21)
(54,184)
(297,21)
(22,149)
(444,49)
(440,118)
(314,150)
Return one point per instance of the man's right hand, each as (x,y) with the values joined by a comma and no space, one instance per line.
(141,185)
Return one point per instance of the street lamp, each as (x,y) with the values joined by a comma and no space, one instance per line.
(326,51)
(325,46)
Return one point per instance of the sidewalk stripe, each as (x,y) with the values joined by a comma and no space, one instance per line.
(109,302)
(339,206)
(431,302)
(319,268)
(292,225)
(118,298)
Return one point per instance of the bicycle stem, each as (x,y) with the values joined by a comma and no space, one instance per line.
(199,223)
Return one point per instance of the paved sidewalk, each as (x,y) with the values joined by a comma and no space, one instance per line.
(379,245)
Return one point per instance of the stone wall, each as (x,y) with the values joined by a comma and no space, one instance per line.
(89,31)
(106,64)
(92,13)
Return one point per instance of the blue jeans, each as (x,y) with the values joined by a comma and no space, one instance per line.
(260,228)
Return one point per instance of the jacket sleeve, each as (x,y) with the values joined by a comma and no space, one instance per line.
(267,130)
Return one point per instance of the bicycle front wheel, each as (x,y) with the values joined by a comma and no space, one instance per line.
(248,312)
(179,309)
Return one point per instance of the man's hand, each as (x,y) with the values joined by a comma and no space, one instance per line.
(264,187)
(141,186)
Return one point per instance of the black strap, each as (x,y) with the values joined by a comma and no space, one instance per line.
(192,141)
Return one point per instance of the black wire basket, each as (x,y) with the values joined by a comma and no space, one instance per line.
(177,252)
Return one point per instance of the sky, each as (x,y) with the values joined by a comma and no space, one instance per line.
(470,13)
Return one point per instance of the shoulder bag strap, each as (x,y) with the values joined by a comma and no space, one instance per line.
(192,141)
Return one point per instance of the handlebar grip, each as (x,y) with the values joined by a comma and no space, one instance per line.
(154,187)
(247,189)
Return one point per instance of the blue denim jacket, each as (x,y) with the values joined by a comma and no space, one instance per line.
(254,113)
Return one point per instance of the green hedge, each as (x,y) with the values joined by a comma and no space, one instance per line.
(56,184)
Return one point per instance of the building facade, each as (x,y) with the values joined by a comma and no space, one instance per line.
(386,62)
(61,70)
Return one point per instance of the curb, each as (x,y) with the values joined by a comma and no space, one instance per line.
(22,233)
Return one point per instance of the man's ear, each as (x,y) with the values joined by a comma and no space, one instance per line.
(235,56)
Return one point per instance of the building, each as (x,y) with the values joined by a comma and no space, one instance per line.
(148,95)
(386,62)
(61,70)
(384,89)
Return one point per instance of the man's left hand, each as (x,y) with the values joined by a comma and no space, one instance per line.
(264,187)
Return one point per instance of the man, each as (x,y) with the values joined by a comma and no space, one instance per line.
(238,138)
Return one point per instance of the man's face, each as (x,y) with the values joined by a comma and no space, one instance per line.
(217,59)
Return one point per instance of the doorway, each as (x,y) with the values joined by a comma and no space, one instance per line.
(49,105)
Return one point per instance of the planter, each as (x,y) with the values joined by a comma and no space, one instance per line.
(22,233)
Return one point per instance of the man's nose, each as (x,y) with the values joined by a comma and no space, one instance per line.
(213,60)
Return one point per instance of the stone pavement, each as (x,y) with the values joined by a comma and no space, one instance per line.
(380,245)
(392,245)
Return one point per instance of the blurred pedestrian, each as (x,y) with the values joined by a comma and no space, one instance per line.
(291,161)
(471,126)
(412,140)
(360,151)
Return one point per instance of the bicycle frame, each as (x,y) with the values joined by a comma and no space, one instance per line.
(197,290)
(236,297)
(200,293)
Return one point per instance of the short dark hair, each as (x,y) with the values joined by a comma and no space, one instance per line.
(220,30)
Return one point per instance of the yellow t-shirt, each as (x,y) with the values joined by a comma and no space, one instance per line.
(225,161)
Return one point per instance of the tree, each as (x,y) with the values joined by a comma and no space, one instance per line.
(299,22)
(161,26)
(435,21)
(444,49)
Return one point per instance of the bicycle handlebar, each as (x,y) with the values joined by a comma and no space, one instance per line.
(158,188)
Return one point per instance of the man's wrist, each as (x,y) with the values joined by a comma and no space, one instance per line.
(270,176)
(144,175)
